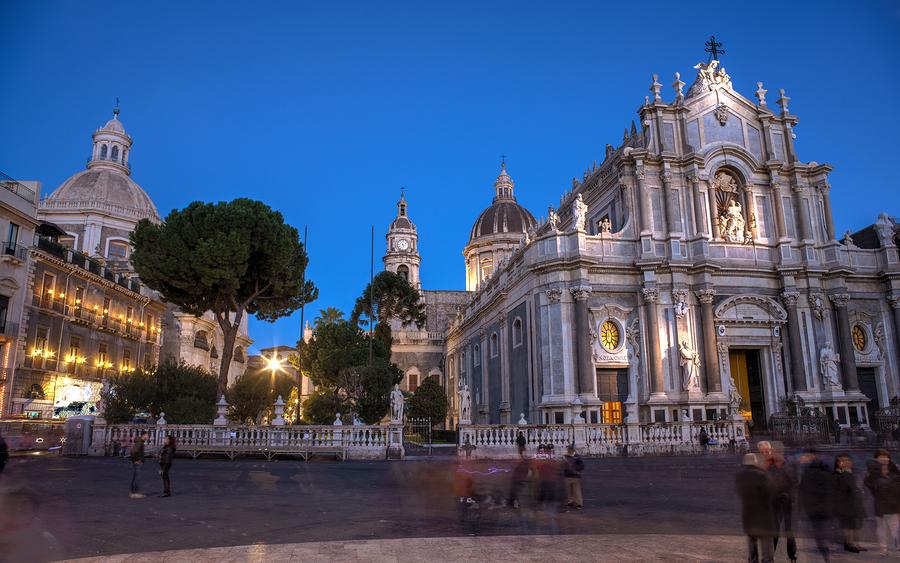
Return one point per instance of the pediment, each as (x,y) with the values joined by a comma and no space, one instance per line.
(750,309)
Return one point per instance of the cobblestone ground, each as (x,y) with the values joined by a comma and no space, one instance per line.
(680,508)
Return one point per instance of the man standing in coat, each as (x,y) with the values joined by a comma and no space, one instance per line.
(815,498)
(757,510)
(137,460)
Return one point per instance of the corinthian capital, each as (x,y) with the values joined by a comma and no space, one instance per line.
(666,176)
(581,292)
(639,172)
(790,297)
(650,294)
(554,294)
(894,300)
(840,299)
(706,296)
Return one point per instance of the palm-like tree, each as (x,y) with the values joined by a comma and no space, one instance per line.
(328,315)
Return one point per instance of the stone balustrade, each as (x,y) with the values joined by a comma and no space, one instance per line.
(493,441)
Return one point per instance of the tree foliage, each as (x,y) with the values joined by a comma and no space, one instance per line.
(334,348)
(429,401)
(251,398)
(389,296)
(322,405)
(231,258)
(186,394)
(328,315)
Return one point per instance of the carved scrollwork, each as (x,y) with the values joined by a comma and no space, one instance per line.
(840,299)
(790,298)
(650,294)
(706,296)
(554,295)
(679,299)
(581,292)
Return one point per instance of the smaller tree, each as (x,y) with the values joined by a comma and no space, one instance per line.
(369,389)
(429,401)
(322,406)
(328,315)
(252,397)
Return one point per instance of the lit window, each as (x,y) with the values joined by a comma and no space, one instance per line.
(859,338)
(609,335)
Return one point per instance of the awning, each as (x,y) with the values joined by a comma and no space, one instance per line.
(48,229)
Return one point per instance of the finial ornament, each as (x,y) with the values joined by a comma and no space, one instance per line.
(761,94)
(678,86)
(656,87)
(116,109)
(503,161)
(783,102)
(714,49)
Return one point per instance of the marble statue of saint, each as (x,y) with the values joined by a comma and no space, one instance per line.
(579,212)
(828,365)
(552,218)
(734,396)
(465,404)
(731,224)
(690,367)
(396,405)
(605,225)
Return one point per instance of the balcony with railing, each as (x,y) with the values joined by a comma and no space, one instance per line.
(86,263)
(13,250)
(18,188)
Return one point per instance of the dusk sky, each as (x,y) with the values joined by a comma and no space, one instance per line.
(325,110)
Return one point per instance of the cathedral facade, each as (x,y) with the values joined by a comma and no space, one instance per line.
(694,274)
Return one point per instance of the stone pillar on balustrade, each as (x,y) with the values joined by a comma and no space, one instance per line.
(220,432)
(579,428)
(98,427)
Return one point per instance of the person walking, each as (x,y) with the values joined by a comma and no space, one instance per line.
(703,437)
(783,485)
(572,473)
(757,512)
(137,460)
(4,453)
(520,444)
(883,481)
(815,498)
(165,464)
(848,502)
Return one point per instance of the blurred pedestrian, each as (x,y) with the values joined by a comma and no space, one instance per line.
(137,460)
(166,454)
(764,448)
(4,453)
(815,498)
(547,486)
(836,430)
(883,481)
(783,485)
(757,512)
(520,443)
(848,502)
(519,479)
(703,438)
(574,465)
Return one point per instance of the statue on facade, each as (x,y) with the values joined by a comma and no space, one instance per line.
(734,396)
(828,365)
(605,225)
(465,404)
(396,405)
(731,223)
(690,367)
(553,219)
(848,240)
(712,76)
(579,212)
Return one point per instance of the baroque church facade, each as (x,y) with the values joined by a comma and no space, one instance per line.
(694,274)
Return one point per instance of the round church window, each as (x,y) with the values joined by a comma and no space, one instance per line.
(609,335)
(859,338)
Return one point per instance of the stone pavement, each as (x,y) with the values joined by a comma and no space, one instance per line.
(636,547)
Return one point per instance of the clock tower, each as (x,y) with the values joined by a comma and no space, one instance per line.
(402,256)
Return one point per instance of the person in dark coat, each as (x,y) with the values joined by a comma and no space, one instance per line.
(757,509)
(815,498)
(783,487)
(703,438)
(137,460)
(848,502)
(520,444)
(4,453)
(883,480)
(165,464)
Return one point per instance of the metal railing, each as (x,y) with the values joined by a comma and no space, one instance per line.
(18,188)
(11,248)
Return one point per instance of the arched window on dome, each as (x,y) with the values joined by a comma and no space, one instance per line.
(115,154)
(103,152)
(403,272)
(124,156)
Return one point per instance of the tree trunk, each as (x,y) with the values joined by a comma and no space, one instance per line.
(229,331)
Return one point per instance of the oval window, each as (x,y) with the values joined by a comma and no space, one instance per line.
(609,335)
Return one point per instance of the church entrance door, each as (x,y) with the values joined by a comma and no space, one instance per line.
(869,387)
(746,369)
(612,389)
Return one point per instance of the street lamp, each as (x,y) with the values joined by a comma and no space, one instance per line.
(274,364)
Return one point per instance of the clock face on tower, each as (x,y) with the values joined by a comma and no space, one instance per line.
(403,244)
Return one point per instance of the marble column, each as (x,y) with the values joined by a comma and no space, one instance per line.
(714,212)
(710,354)
(654,361)
(800,201)
(699,219)
(504,369)
(750,210)
(643,200)
(798,371)
(826,204)
(584,363)
(894,300)
(780,229)
(845,341)
(668,204)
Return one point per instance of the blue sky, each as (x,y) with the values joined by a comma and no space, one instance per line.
(325,110)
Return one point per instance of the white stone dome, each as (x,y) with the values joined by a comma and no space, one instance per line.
(103,189)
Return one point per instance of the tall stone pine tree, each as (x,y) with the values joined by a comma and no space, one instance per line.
(389,296)
(231,258)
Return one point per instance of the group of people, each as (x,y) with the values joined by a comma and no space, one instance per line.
(831,498)
(535,484)
(166,455)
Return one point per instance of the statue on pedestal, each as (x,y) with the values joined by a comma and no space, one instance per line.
(396,405)
(605,225)
(465,405)
(690,366)
(731,223)
(828,365)
(553,219)
(579,212)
